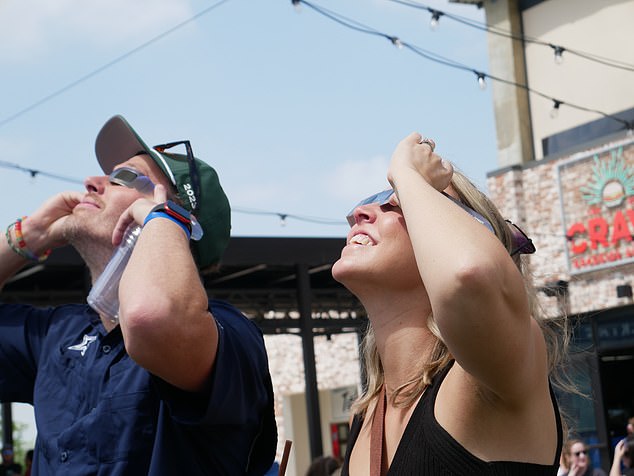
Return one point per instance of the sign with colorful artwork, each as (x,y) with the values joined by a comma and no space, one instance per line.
(597,200)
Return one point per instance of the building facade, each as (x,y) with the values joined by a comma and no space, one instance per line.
(566,176)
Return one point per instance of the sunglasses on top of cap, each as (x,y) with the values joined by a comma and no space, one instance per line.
(383,198)
(193,169)
(131,178)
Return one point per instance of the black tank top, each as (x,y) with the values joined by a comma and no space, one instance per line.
(427,449)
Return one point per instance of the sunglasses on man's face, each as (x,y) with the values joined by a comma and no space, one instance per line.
(131,178)
(383,198)
(193,169)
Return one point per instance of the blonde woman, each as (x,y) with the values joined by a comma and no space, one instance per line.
(457,358)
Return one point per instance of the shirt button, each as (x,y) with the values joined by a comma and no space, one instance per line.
(106,349)
(63,456)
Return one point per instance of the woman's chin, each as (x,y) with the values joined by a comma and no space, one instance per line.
(352,278)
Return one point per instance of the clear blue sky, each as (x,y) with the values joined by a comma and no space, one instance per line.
(298,114)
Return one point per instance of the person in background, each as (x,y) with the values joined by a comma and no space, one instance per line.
(623,458)
(9,467)
(457,354)
(563,465)
(323,466)
(578,460)
(174,383)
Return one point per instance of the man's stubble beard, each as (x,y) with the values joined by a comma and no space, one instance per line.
(92,240)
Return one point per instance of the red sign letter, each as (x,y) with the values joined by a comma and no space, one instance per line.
(572,231)
(598,232)
(620,230)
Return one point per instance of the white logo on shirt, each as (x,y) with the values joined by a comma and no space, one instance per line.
(87,340)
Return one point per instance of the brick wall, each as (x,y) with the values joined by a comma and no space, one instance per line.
(533,197)
(336,359)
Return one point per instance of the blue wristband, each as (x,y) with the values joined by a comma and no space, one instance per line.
(157,214)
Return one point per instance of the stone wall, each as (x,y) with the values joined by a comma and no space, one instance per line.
(533,198)
(336,359)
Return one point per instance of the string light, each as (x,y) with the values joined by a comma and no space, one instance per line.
(33,173)
(396,42)
(349,24)
(554,112)
(435,17)
(283,217)
(352,24)
(501,32)
(297,5)
(559,52)
(481,81)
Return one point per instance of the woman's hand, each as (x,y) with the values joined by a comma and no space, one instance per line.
(619,451)
(578,468)
(414,153)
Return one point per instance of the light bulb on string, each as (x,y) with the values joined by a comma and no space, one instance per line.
(297,5)
(282,219)
(554,112)
(435,17)
(482,84)
(396,42)
(559,53)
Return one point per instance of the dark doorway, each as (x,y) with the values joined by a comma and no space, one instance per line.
(617,377)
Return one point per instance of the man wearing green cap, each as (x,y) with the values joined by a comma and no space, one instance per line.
(168,383)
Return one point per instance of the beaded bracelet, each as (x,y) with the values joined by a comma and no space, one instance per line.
(21,247)
(10,241)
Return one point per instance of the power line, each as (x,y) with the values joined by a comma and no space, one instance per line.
(34,173)
(353,24)
(283,216)
(95,72)
(480,75)
(558,49)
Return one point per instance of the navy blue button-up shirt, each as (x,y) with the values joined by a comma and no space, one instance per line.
(98,412)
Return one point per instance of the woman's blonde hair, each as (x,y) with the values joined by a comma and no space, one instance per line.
(555,329)
(566,451)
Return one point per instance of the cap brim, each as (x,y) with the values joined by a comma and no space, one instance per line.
(117,141)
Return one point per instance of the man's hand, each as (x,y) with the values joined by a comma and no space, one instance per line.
(41,231)
(137,213)
(44,229)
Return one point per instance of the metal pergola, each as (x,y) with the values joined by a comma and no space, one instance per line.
(283,284)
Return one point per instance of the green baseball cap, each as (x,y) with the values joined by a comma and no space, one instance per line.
(203,196)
